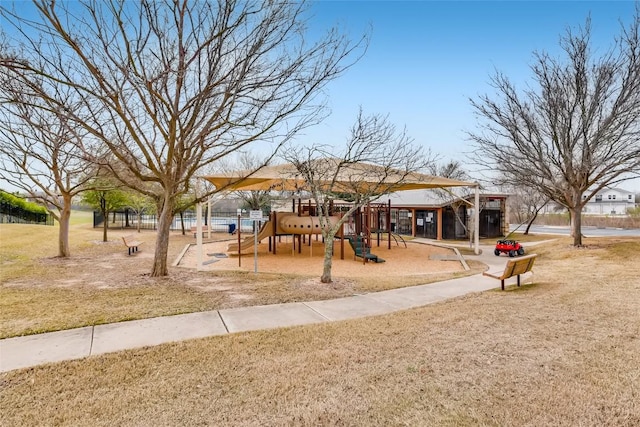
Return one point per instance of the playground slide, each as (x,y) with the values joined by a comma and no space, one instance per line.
(247,242)
(361,250)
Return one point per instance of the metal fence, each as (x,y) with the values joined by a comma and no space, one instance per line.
(14,214)
(220,221)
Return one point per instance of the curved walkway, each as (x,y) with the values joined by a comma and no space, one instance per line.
(33,350)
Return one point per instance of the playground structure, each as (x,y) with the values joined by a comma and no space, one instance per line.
(302,222)
(371,179)
(283,224)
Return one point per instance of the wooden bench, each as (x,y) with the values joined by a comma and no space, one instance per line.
(514,267)
(194,230)
(131,243)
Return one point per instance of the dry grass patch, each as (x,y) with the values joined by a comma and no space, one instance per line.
(100,283)
(562,352)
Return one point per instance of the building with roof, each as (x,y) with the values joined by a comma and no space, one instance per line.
(436,215)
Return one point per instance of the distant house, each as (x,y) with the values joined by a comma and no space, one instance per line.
(420,213)
(610,201)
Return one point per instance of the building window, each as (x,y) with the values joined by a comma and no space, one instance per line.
(614,197)
(630,197)
(598,197)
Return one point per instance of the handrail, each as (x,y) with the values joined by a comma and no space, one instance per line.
(394,238)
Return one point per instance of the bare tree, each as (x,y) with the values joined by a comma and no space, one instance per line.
(170,86)
(40,154)
(525,204)
(377,160)
(577,131)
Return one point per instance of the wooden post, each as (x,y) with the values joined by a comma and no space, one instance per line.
(367,223)
(275,230)
(413,222)
(388,220)
(377,225)
(342,241)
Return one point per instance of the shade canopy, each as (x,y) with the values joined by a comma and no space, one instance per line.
(351,178)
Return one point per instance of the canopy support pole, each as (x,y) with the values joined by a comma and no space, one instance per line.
(199,234)
(476,221)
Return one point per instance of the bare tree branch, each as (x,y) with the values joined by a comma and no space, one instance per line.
(573,134)
(168,87)
(377,159)
(40,154)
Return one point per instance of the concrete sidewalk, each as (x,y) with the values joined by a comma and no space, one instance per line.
(33,350)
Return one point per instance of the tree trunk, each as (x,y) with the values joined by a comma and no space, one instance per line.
(328,258)
(139,215)
(63,232)
(162,239)
(182,222)
(535,215)
(576,225)
(105,225)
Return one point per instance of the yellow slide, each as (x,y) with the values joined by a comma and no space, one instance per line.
(247,242)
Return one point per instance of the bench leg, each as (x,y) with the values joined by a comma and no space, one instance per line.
(502,283)
(518,280)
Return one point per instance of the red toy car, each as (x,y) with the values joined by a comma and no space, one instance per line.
(510,247)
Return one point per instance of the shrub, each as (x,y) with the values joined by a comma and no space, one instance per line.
(20,203)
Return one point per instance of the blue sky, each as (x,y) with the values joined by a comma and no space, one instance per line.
(426,58)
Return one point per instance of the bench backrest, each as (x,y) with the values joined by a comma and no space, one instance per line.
(519,266)
(128,238)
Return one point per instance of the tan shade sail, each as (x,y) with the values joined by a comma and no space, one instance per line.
(354,177)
